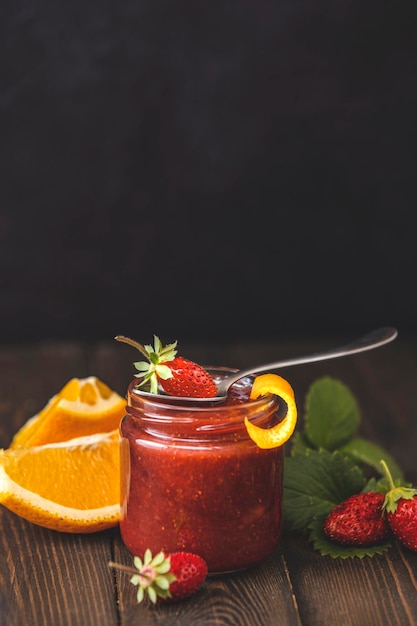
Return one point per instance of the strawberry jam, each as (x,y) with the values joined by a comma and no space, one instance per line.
(193,480)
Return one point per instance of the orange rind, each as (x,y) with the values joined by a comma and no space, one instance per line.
(280,433)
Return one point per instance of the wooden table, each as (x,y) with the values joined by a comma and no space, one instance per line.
(54,579)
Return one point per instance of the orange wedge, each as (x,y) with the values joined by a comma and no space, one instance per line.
(84,406)
(70,486)
(279,434)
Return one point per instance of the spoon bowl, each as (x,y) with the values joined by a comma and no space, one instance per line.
(374,339)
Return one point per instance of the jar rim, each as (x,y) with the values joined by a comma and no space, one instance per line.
(170,402)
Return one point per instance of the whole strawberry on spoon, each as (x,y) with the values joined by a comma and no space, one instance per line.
(177,376)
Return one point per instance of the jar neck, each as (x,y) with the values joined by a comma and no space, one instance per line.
(170,419)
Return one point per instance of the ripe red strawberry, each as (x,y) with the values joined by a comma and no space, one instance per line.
(358,521)
(190,571)
(403,519)
(177,376)
(401,508)
(166,576)
(188,380)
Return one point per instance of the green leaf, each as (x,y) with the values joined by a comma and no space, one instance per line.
(332,414)
(364,451)
(330,548)
(315,482)
(299,444)
(373,484)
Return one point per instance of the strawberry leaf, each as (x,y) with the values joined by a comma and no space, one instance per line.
(380,485)
(314,482)
(330,548)
(332,414)
(364,451)
(300,444)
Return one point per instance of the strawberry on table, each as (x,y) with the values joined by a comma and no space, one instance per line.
(166,576)
(176,375)
(400,506)
(358,521)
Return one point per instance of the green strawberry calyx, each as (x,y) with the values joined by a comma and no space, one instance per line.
(152,575)
(154,368)
(395,492)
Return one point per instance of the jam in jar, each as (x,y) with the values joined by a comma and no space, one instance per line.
(193,480)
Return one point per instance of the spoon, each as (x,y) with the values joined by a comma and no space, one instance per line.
(372,340)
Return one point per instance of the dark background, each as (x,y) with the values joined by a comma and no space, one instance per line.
(201,170)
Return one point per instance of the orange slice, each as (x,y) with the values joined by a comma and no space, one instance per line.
(84,406)
(70,486)
(279,434)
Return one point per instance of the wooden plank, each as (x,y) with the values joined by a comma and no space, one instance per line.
(353,592)
(48,577)
(260,596)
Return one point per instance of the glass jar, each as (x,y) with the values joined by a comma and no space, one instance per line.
(193,480)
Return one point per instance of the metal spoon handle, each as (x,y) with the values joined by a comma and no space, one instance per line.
(372,340)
